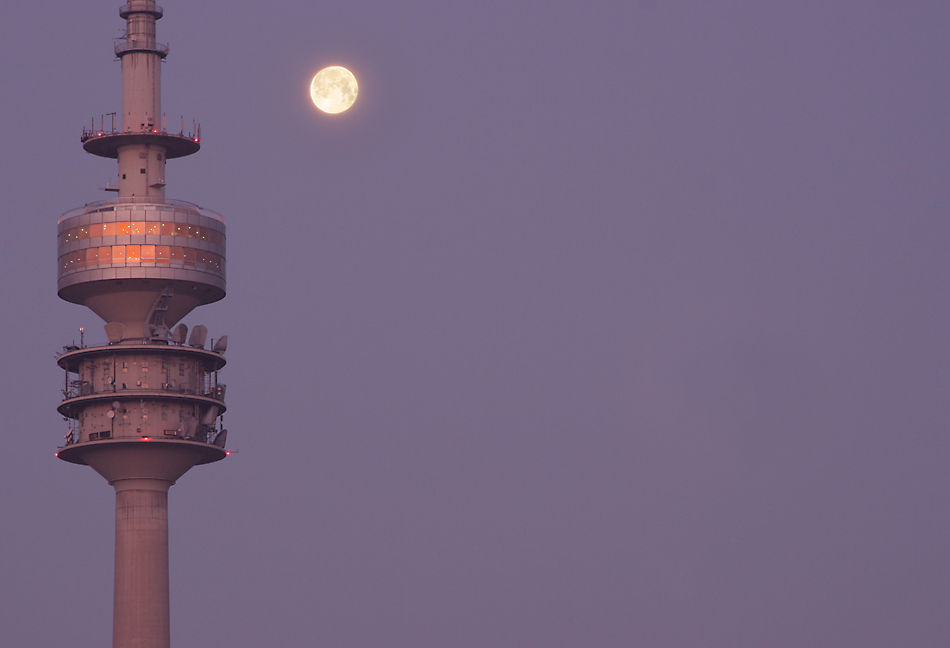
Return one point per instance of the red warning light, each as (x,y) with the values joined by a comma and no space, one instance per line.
(146,439)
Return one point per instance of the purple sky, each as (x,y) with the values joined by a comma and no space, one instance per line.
(609,324)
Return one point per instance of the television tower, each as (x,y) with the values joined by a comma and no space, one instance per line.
(147,406)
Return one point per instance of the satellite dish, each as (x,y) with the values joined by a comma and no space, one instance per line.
(181,332)
(116,405)
(114,331)
(110,414)
(210,415)
(198,336)
(189,426)
(221,345)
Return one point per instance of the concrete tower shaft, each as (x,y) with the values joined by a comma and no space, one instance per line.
(141,164)
(145,408)
(141,66)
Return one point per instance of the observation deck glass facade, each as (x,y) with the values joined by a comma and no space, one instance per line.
(176,240)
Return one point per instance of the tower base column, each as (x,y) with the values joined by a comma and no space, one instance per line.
(141,607)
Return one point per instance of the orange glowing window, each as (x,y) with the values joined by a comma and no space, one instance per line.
(148,253)
(153,229)
(95,230)
(168,229)
(193,231)
(181,230)
(108,229)
(105,255)
(138,228)
(177,254)
(162,253)
(118,254)
(189,256)
(123,229)
(83,233)
(92,256)
(133,253)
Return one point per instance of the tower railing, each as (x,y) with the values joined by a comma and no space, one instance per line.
(142,200)
(89,133)
(126,45)
(81,388)
(146,6)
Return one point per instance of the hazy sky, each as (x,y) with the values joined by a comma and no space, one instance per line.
(609,324)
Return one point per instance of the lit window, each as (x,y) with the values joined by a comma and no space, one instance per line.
(123,229)
(133,253)
(138,228)
(118,254)
(108,229)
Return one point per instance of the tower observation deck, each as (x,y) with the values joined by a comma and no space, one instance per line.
(148,406)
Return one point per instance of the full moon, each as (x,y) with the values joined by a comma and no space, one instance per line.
(333,89)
